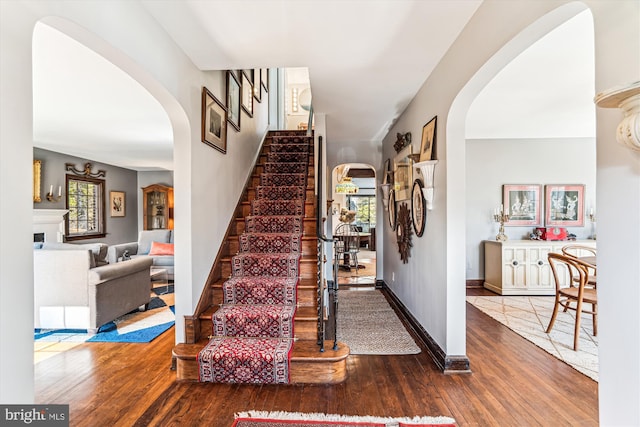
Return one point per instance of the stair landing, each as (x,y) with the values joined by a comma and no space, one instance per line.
(308,364)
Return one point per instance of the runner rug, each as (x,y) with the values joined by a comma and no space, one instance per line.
(253,330)
(245,360)
(529,318)
(296,419)
(368,324)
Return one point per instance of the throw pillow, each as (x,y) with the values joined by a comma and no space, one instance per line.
(158,248)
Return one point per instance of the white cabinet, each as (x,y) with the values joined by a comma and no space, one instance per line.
(521,267)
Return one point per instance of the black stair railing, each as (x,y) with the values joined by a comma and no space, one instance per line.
(322,239)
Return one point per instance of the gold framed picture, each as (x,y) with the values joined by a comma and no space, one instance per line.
(117,202)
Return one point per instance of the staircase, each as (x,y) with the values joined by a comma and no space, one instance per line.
(285,205)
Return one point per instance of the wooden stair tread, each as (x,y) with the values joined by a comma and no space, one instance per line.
(302,284)
(303,350)
(303,313)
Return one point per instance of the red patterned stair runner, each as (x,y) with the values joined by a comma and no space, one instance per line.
(253,329)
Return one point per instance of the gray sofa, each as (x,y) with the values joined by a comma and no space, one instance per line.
(75,287)
(142,248)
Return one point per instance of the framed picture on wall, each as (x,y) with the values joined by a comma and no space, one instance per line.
(233,100)
(247,94)
(428,139)
(257,84)
(523,203)
(214,121)
(264,79)
(564,205)
(117,203)
(402,174)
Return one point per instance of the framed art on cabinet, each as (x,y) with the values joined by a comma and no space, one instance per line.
(418,209)
(233,100)
(428,139)
(247,95)
(402,174)
(523,204)
(564,205)
(214,121)
(392,209)
(117,203)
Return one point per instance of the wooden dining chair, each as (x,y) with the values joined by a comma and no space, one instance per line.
(580,252)
(571,291)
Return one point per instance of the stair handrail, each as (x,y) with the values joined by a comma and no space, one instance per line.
(310,121)
(322,238)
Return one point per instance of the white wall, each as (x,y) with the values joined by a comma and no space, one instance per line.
(492,163)
(432,284)
(207,183)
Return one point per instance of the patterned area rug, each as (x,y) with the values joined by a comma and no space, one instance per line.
(529,318)
(368,324)
(297,419)
(253,329)
(135,327)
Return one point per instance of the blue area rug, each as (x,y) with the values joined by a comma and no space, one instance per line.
(135,327)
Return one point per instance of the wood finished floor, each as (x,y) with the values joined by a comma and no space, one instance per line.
(513,383)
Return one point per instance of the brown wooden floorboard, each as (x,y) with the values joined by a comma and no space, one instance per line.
(513,383)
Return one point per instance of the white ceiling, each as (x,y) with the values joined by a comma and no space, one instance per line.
(366,61)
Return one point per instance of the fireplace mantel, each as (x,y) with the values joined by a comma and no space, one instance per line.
(50,222)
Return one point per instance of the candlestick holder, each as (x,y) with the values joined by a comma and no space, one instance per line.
(52,198)
(592,218)
(501,218)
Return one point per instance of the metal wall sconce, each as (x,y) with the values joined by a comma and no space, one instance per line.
(51,197)
(426,169)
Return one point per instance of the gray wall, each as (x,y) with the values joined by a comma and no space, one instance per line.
(119,229)
(494,162)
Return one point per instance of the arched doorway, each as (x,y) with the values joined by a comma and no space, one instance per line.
(353,208)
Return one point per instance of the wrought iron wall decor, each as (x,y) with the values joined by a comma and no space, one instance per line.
(404,232)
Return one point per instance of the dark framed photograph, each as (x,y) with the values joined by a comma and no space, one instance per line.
(403,174)
(247,94)
(214,121)
(264,79)
(257,84)
(523,204)
(388,173)
(392,210)
(418,208)
(564,205)
(117,201)
(428,139)
(233,100)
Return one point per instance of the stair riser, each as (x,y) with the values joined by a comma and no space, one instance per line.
(309,227)
(302,372)
(307,297)
(255,181)
(309,194)
(309,211)
(309,247)
(307,270)
(303,329)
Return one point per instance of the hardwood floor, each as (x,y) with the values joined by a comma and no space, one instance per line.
(513,383)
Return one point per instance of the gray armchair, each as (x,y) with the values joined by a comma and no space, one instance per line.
(142,248)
